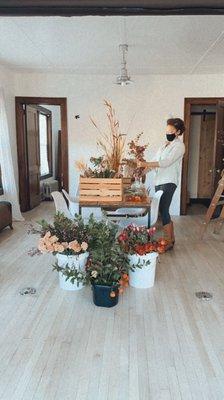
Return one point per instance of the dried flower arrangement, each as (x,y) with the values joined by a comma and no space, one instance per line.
(112,144)
(100,169)
(137,153)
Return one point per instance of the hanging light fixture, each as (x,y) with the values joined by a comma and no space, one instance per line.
(123,79)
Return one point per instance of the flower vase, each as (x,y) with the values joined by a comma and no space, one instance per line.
(144,268)
(102,295)
(74,262)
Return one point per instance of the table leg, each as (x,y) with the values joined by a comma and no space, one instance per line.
(80,210)
(149,216)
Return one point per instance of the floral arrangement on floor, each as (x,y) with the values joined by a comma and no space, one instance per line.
(108,264)
(108,268)
(140,240)
(62,236)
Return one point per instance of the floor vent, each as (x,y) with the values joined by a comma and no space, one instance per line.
(28,290)
(204,295)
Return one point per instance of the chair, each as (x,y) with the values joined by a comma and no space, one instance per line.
(155,207)
(5,214)
(73,203)
(123,214)
(60,204)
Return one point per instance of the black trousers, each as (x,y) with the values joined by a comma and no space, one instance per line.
(165,201)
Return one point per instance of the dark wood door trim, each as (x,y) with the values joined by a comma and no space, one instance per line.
(187,118)
(22,146)
(111,7)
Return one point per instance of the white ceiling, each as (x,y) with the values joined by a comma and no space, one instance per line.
(157,45)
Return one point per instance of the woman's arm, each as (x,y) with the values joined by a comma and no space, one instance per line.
(148,165)
(174,155)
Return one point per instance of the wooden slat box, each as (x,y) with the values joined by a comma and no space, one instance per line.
(107,190)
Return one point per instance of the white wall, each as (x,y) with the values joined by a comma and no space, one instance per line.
(143,106)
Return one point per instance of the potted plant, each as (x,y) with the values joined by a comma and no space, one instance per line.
(107,267)
(142,248)
(68,241)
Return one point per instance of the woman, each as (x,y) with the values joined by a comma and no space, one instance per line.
(167,166)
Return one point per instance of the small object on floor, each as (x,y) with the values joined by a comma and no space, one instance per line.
(204,295)
(27,290)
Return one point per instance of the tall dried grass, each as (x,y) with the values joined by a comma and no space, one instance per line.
(112,143)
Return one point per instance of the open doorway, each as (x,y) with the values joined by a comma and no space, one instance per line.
(42,148)
(204,157)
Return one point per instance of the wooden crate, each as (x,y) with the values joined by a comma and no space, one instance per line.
(102,189)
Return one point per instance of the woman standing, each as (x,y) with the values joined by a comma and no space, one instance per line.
(168,166)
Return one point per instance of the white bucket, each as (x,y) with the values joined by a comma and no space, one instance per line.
(143,277)
(74,262)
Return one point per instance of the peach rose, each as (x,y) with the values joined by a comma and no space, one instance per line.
(75,246)
(53,239)
(49,247)
(47,235)
(65,245)
(58,247)
(84,246)
(42,247)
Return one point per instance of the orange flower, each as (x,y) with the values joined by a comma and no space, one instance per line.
(75,246)
(41,246)
(58,247)
(53,239)
(84,246)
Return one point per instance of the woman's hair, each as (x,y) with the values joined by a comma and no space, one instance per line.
(177,123)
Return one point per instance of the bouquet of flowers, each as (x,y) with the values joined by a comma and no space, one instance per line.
(107,264)
(137,153)
(134,239)
(108,268)
(100,169)
(63,236)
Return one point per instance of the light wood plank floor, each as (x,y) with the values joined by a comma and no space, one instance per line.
(157,344)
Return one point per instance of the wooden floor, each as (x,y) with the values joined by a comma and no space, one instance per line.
(157,344)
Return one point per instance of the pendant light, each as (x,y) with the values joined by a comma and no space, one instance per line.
(123,79)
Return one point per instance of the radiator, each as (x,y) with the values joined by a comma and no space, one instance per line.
(48,188)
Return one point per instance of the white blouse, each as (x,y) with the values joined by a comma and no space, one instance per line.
(170,160)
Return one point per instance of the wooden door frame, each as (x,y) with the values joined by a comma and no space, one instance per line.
(21,142)
(188,102)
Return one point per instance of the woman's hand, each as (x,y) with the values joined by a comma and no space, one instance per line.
(142,164)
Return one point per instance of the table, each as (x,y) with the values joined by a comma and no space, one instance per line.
(115,206)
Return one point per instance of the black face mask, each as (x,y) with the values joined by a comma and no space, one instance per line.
(170,136)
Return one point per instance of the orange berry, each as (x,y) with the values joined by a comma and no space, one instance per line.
(112,294)
(125,276)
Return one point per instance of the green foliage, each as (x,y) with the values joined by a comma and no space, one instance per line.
(107,261)
(71,274)
(101,168)
(65,229)
(101,233)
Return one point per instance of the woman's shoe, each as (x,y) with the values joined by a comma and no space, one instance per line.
(169,236)
(172,232)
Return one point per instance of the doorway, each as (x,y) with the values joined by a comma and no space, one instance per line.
(42,147)
(204,156)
